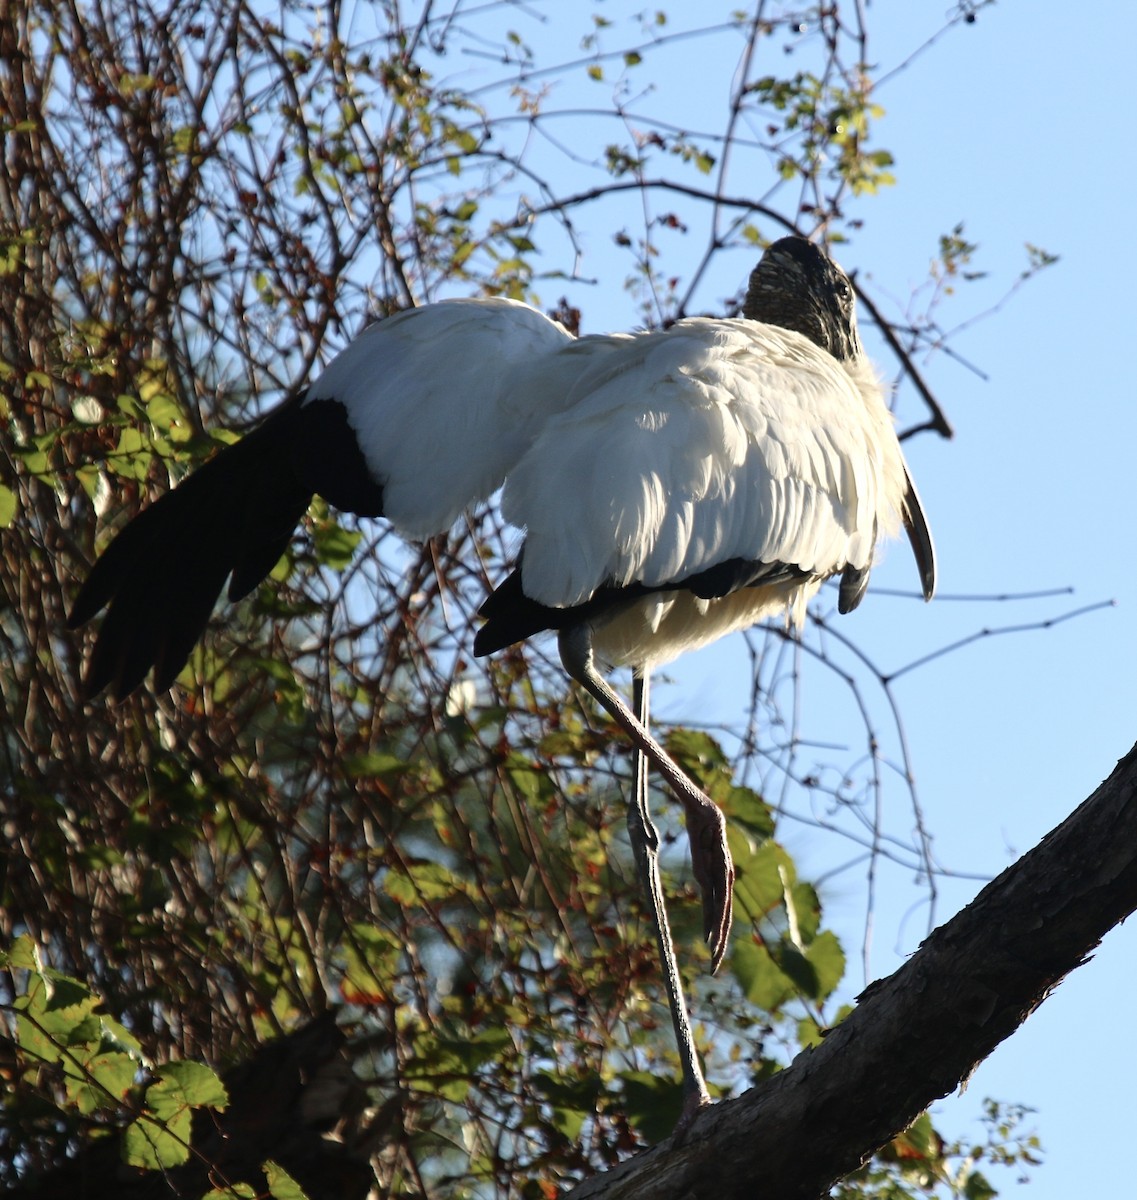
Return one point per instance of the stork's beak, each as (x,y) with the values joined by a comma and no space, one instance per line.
(916,526)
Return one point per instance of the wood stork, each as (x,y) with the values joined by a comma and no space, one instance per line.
(673,486)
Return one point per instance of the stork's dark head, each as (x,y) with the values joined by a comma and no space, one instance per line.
(799,287)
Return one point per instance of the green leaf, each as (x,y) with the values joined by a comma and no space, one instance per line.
(183,139)
(652,1103)
(595,72)
(34,459)
(158,1146)
(375,765)
(159,1138)
(694,749)
(416,882)
(130,82)
(34,1041)
(93,482)
(100,1080)
(978,1188)
(815,970)
(8,507)
(131,457)
(573,1101)
(759,886)
(808,1033)
(22,955)
(748,809)
(464,139)
(436,1071)
(165,414)
(54,1014)
(484,1047)
(807,910)
(281,1185)
(67,998)
(529,780)
(335,546)
(569,1121)
(764,984)
(794,965)
(827,958)
(921,1136)
(1039,258)
(184,1085)
(371,957)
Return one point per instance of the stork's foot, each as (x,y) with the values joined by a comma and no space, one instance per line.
(714,873)
(694,1101)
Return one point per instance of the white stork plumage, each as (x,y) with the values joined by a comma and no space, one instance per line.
(673,486)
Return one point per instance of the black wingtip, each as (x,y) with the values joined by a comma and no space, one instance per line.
(920,537)
(854,583)
(160,578)
(511,617)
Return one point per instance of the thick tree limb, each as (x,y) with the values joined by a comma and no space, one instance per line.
(914,1036)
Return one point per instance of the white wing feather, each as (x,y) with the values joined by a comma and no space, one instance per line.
(443,400)
(713,440)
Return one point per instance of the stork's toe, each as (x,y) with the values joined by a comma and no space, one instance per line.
(714,873)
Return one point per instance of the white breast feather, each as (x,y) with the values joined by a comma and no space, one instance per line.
(711,441)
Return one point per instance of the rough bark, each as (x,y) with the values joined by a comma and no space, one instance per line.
(915,1035)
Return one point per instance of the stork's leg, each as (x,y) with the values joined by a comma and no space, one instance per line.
(645,845)
(706,826)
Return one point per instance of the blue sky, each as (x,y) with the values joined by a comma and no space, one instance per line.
(1017,126)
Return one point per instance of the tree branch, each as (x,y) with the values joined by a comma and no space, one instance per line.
(914,1036)
(937,421)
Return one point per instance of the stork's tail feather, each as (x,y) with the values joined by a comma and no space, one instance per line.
(162,574)
(511,617)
